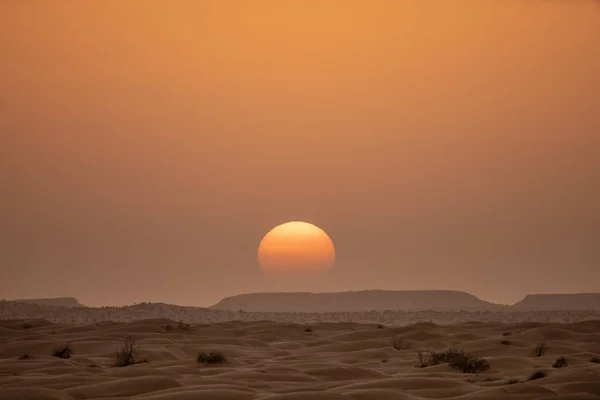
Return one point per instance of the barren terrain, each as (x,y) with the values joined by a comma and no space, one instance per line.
(283,360)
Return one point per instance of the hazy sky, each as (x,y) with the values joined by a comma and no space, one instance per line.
(147,146)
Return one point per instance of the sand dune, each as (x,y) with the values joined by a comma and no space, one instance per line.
(271,360)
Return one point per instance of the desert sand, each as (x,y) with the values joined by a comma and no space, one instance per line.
(282,360)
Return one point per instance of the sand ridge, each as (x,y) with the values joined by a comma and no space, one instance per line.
(271,360)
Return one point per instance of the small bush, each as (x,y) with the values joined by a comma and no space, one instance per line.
(62,351)
(595,360)
(513,381)
(400,344)
(27,325)
(126,354)
(380,326)
(540,350)
(183,326)
(469,364)
(308,330)
(167,327)
(384,360)
(457,359)
(210,358)
(537,375)
(24,357)
(560,362)
(506,342)
(506,333)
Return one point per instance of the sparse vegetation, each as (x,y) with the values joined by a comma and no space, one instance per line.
(513,381)
(308,330)
(560,362)
(27,325)
(506,342)
(506,333)
(62,351)
(540,350)
(595,360)
(384,360)
(399,343)
(167,327)
(537,375)
(380,326)
(127,353)
(24,357)
(210,358)
(457,359)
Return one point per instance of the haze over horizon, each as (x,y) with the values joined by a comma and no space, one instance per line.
(145,151)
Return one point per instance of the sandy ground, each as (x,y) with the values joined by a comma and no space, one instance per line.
(269,360)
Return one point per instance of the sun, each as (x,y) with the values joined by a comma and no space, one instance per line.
(296,249)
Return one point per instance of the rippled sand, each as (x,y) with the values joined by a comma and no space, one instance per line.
(268,360)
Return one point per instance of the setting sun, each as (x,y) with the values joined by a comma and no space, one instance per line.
(296,248)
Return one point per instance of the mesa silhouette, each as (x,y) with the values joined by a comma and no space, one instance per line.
(53,301)
(414,300)
(367,300)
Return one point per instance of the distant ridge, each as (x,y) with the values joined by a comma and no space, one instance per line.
(52,301)
(368,300)
(575,301)
(30,313)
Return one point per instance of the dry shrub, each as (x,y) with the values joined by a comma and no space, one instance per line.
(213,357)
(62,351)
(560,362)
(540,350)
(537,375)
(127,353)
(457,359)
(399,343)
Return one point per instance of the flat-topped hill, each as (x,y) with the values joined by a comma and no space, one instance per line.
(53,301)
(575,301)
(377,300)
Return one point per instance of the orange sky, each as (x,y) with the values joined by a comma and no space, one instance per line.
(445,144)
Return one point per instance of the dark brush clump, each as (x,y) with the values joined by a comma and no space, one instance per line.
(210,358)
(62,351)
(457,359)
(560,362)
(537,375)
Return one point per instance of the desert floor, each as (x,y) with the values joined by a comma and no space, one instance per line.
(268,360)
